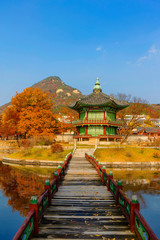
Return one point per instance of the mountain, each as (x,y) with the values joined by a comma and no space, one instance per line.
(63,93)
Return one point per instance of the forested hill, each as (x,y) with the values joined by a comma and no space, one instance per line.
(63,93)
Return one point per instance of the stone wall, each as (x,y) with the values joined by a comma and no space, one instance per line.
(137,138)
(64,138)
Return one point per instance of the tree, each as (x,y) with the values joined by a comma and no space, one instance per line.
(32,97)
(10,119)
(30,114)
(137,107)
(37,122)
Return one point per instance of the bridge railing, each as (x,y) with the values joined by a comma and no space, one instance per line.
(37,208)
(130,208)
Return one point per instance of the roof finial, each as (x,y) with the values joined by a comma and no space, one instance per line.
(97,87)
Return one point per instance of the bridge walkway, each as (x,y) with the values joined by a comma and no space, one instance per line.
(83,208)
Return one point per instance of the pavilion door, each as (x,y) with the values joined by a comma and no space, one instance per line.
(95,130)
(110,131)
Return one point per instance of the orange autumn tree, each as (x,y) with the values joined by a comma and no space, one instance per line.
(37,122)
(9,121)
(30,114)
(1,127)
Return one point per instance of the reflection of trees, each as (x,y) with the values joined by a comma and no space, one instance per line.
(141,187)
(18,186)
(139,182)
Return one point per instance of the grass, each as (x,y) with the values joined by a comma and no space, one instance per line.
(127,154)
(85,146)
(39,154)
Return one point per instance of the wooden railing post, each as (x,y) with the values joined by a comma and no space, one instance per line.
(60,171)
(56,176)
(48,187)
(63,169)
(34,206)
(97,165)
(134,205)
(103,171)
(65,164)
(119,186)
(110,176)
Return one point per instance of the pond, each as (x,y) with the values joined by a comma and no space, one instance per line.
(18,184)
(145,183)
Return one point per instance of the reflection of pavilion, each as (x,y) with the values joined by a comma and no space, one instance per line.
(97,116)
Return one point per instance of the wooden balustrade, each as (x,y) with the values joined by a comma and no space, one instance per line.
(130,208)
(37,207)
(97,121)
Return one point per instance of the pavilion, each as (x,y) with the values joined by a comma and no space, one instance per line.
(97,116)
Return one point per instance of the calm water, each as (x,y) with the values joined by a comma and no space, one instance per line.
(17,185)
(146,185)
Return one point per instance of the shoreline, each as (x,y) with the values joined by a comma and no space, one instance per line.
(23,162)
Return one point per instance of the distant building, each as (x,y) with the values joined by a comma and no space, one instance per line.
(97,116)
(147,131)
(155,121)
(143,118)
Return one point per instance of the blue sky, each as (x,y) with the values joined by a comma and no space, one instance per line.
(79,40)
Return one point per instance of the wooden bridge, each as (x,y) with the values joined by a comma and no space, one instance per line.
(78,205)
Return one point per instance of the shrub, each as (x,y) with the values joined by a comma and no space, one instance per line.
(56,148)
(27,143)
(156,155)
(156,142)
(44,140)
(128,154)
(142,150)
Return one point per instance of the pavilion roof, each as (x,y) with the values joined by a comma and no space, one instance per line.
(98,98)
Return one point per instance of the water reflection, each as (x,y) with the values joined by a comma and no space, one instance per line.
(138,182)
(146,185)
(19,184)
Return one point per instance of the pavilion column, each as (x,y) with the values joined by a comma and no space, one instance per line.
(86,130)
(104,115)
(87,115)
(104,130)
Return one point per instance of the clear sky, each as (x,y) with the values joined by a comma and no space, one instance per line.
(79,40)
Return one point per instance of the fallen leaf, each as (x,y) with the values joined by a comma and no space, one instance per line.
(106,227)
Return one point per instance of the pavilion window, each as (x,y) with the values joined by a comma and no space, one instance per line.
(82,116)
(95,115)
(111,116)
(82,131)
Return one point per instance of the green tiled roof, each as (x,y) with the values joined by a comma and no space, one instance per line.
(98,98)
